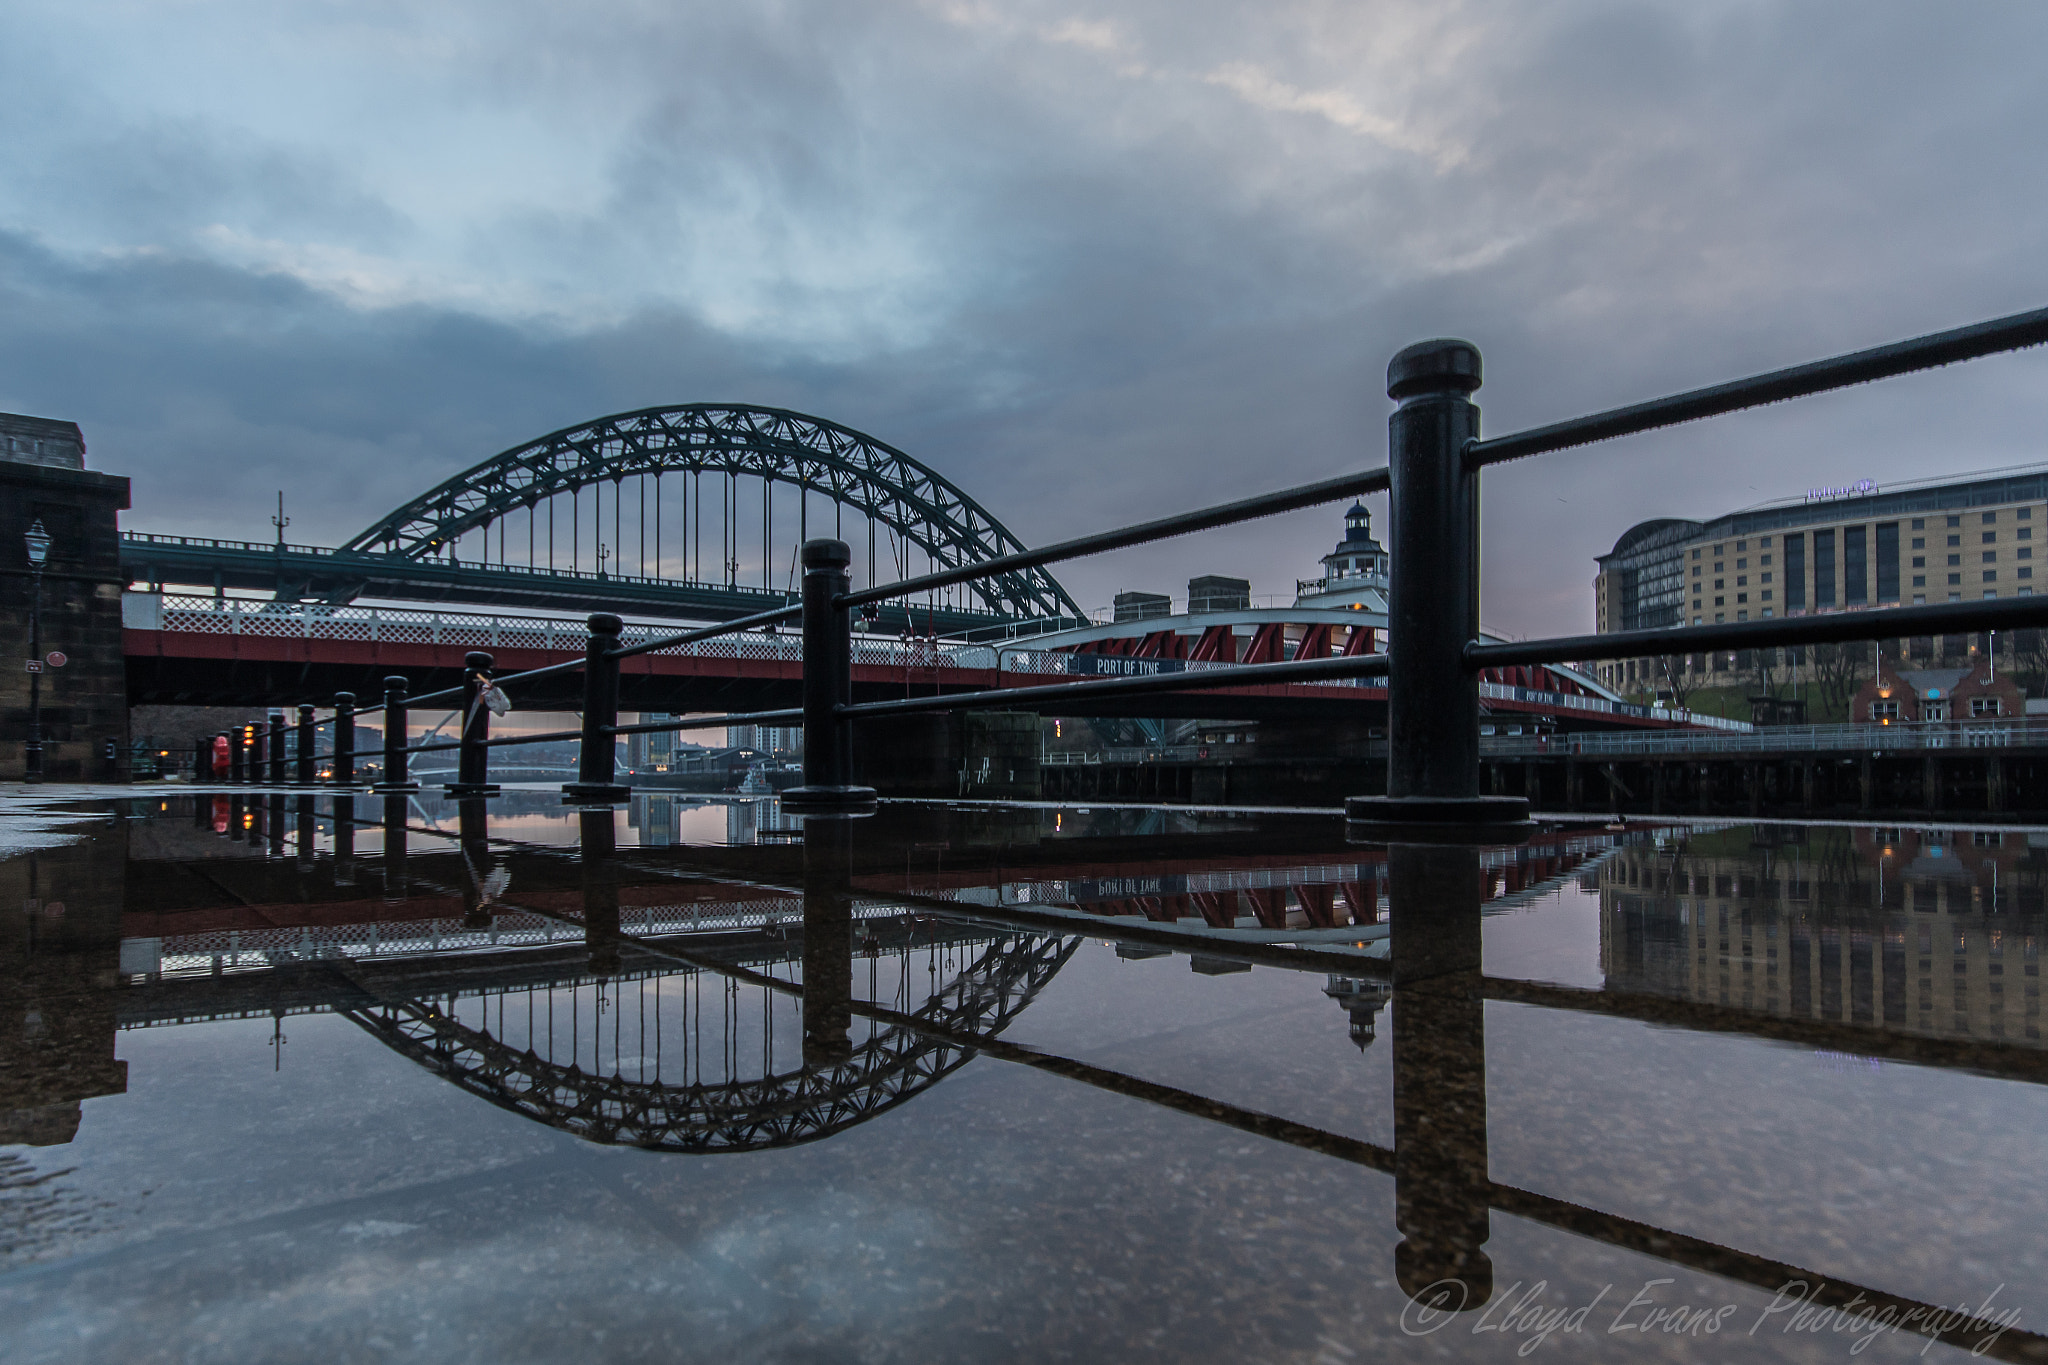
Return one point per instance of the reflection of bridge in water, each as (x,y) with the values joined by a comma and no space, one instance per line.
(823,984)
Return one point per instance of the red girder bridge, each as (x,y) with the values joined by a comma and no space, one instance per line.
(225,651)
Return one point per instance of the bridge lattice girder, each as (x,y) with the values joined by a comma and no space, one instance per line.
(772,444)
(742,1115)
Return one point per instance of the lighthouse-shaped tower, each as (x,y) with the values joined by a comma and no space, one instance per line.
(1354,574)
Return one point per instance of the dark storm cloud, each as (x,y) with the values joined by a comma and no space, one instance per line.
(1094,265)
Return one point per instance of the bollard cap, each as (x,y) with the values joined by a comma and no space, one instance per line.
(1441,366)
(826,553)
(477,659)
(604,623)
(344,699)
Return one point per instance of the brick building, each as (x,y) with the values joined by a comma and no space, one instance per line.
(1906,695)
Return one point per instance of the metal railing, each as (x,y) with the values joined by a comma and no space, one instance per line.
(1989,732)
(1433,677)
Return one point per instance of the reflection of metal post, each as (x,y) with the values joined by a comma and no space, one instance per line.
(471,825)
(828,685)
(305,832)
(237,815)
(238,754)
(396,779)
(598,836)
(596,756)
(1433,607)
(344,739)
(472,758)
(1439,1061)
(274,825)
(828,940)
(344,841)
(394,847)
(308,773)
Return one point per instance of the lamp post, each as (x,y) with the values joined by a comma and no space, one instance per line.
(38,541)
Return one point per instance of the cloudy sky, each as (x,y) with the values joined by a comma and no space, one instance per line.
(1094,262)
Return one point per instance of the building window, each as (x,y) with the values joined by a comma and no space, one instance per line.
(1742,597)
(1954,579)
(1720,582)
(1955,540)
(1742,582)
(1990,517)
(2025,533)
(1696,620)
(2026,571)
(1990,593)
(2023,513)
(1742,616)
(1695,604)
(2026,552)
(1955,521)
(1695,555)
(1919,523)
(1955,596)
(1720,601)
(1742,545)
(1955,559)
(1765,579)
(1695,571)
(1983,706)
(1719,566)
(1991,537)
(1919,600)
(1919,561)
(1767,610)
(1766,596)
(1919,580)
(1991,556)
(1919,542)
(1765,561)
(1991,575)
(1884,710)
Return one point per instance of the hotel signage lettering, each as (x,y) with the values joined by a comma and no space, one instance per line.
(1862,488)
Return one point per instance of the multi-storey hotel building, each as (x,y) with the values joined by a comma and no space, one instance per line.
(1837,549)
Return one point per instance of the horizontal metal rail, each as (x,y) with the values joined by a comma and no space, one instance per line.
(1225,514)
(1947,618)
(1242,675)
(2011,333)
(792,716)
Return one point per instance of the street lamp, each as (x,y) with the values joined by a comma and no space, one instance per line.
(38,541)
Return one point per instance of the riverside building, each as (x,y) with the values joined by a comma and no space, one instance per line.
(1836,549)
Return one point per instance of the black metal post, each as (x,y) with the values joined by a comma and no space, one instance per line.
(344,740)
(472,760)
(276,749)
(1433,611)
(828,685)
(395,776)
(258,742)
(33,750)
(308,774)
(596,762)
(238,754)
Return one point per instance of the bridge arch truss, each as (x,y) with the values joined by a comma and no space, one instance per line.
(765,462)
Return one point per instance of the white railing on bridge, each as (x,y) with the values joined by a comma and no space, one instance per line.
(1989,732)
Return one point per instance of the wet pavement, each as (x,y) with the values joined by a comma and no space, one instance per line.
(296,1077)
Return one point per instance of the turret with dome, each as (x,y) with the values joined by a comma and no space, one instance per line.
(1354,574)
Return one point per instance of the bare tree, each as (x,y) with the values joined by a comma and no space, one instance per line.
(2030,661)
(1673,675)
(1837,671)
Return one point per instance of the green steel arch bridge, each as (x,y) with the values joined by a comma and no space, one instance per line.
(692,512)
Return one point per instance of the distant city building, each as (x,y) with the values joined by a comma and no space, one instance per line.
(1838,549)
(773,740)
(1140,606)
(1903,696)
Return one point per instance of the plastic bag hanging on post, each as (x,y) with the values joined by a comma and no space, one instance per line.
(472,764)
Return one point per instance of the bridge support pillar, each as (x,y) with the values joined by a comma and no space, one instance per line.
(828,685)
(596,762)
(1433,698)
(472,759)
(396,778)
(344,739)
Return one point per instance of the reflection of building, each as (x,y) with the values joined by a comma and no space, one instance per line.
(1362,999)
(1930,932)
(60,960)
